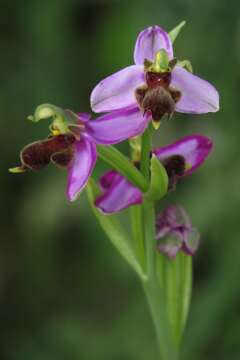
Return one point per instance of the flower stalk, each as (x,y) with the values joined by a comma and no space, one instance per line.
(138,234)
(143,228)
(166,283)
(154,293)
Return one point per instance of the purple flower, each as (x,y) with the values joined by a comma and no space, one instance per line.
(156,84)
(175,233)
(74,148)
(179,159)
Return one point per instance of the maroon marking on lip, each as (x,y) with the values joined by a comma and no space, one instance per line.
(175,166)
(159,101)
(37,155)
(158,79)
(62,159)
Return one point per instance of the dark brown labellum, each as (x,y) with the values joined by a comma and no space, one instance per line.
(62,159)
(159,101)
(175,166)
(37,155)
(157,96)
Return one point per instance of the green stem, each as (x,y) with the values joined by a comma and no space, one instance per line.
(145,153)
(137,211)
(122,164)
(149,225)
(157,305)
(148,206)
(154,293)
(178,283)
(175,276)
(138,233)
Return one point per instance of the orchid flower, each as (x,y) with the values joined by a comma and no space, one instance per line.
(73,140)
(157,84)
(180,159)
(175,233)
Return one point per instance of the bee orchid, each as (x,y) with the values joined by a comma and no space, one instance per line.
(180,159)
(72,142)
(157,84)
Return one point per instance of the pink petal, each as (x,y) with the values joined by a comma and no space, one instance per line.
(81,167)
(198,95)
(117,90)
(191,242)
(177,216)
(107,179)
(194,149)
(117,126)
(120,195)
(149,42)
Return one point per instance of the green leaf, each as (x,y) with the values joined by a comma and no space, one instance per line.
(114,231)
(176,278)
(186,64)
(159,180)
(174,32)
(123,165)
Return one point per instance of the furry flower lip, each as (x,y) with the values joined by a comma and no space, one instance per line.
(156,97)
(174,232)
(72,142)
(157,83)
(180,159)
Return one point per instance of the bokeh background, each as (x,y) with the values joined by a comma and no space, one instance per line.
(64,291)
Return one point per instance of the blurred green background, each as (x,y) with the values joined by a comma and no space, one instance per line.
(64,291)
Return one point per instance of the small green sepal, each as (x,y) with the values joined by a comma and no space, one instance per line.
(175,31)
(60,118)
(186,64)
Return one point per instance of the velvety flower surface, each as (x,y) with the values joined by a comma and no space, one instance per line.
(174,232)
(179,159)
(76,151)
(154,86)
